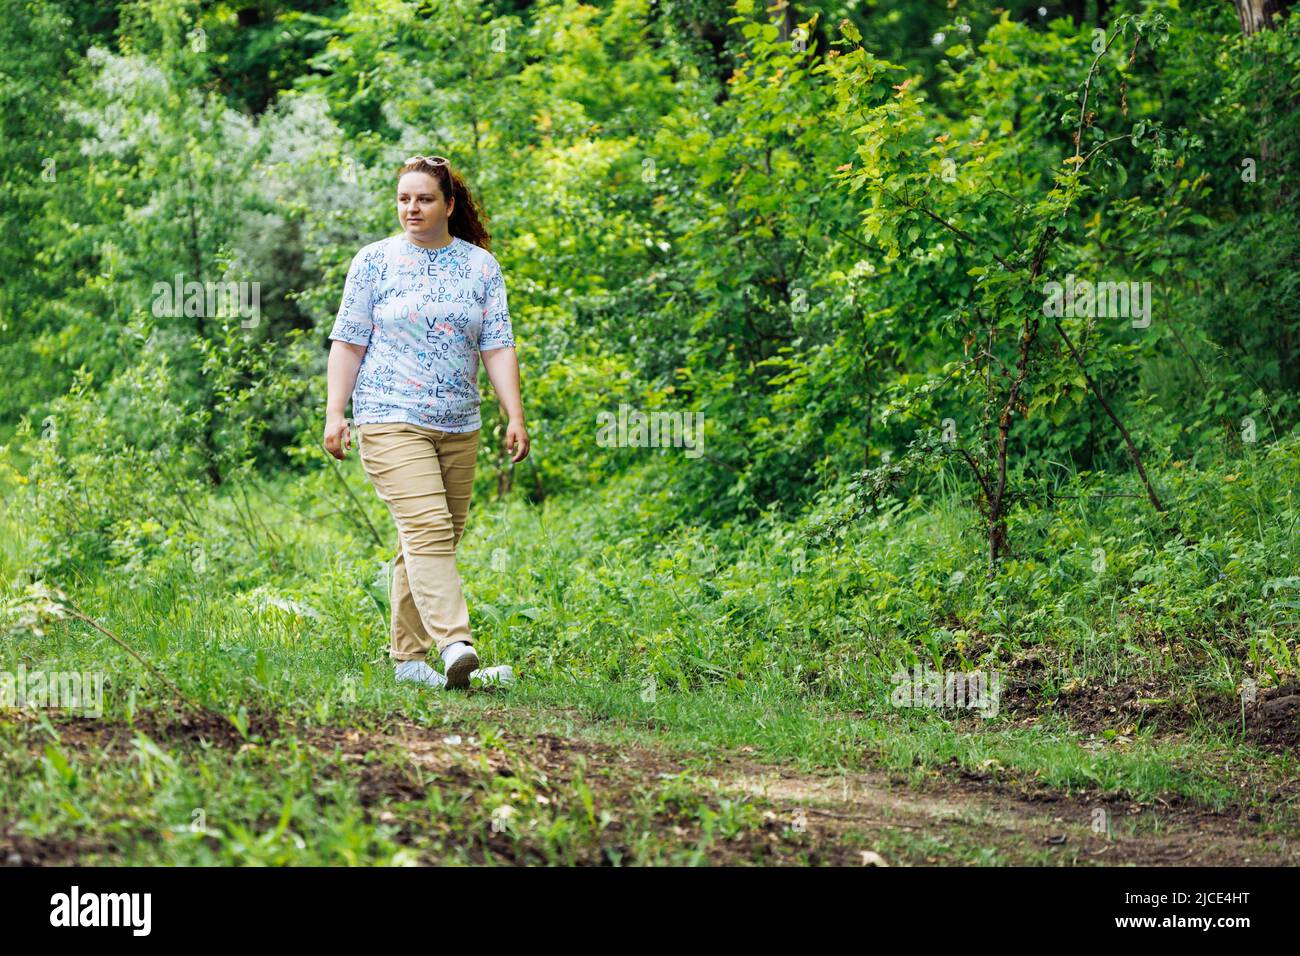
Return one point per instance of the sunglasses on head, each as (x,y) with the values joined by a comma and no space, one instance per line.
(430,160)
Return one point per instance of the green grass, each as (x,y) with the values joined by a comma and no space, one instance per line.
(698,642)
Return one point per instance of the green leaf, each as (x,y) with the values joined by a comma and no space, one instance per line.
(60,763)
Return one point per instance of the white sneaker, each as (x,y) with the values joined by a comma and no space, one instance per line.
(420,672)
(500,676)
(458,662)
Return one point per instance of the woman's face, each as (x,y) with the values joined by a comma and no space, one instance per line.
(421,207)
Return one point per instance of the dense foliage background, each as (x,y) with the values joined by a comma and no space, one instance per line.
(829,227)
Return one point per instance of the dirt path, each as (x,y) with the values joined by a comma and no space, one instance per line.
(859,818)
(853,818)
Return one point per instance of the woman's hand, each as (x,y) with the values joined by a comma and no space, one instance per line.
(344,364)
(338,438)
(517,440)
(503,370)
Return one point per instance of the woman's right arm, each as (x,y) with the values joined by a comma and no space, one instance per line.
(344,362)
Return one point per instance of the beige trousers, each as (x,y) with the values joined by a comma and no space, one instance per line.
(426,477)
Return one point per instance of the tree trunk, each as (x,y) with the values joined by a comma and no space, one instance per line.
(1256,15)
(208,441)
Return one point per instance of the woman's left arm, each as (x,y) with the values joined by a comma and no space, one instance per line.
(503,370)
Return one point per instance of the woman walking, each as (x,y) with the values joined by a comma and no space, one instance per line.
(418,310)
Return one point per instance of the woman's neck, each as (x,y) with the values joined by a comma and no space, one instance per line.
(431,242)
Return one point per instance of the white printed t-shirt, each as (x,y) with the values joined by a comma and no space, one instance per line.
(425,314)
